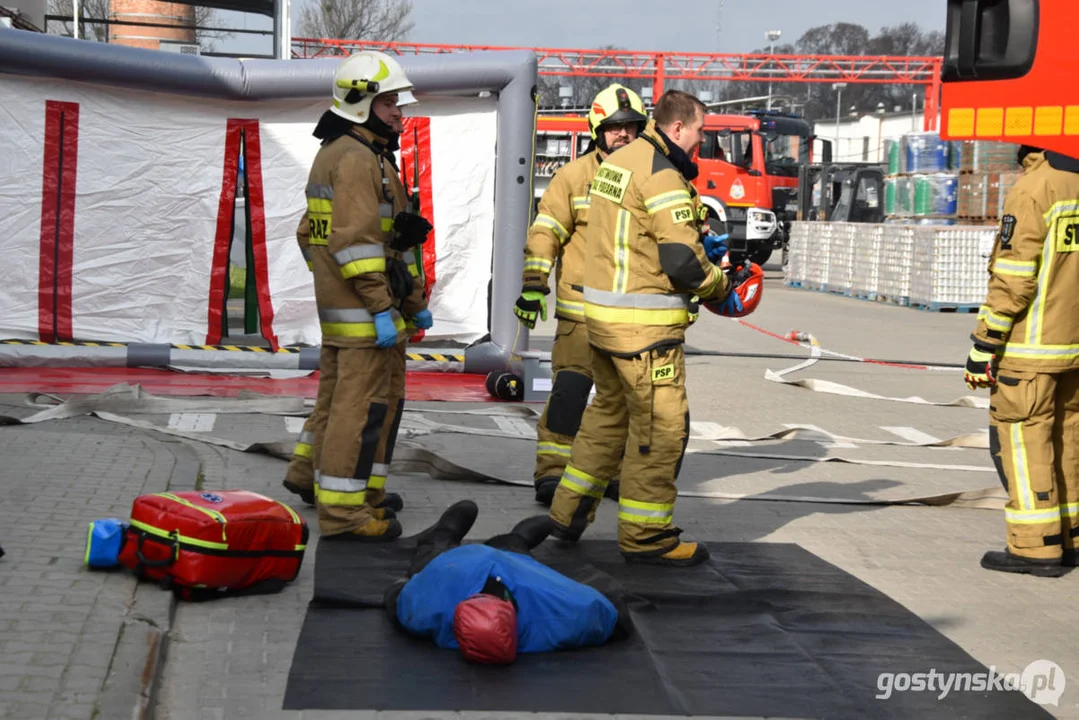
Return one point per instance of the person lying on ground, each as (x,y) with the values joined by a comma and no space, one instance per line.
(494,600)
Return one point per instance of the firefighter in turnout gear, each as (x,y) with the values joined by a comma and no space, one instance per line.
(358,236)
(1026,349)
(556,241)
(644,262)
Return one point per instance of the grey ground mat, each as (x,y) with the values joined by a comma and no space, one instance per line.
(488,442)
(763,629)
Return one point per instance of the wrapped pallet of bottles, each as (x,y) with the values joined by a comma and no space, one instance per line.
(866,253)
(927,266)
(943,202)
(949,267)
(922,183)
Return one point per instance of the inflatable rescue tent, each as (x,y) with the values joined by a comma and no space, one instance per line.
(121,171)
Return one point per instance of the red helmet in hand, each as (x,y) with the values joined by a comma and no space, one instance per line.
(747,283)
(486,630)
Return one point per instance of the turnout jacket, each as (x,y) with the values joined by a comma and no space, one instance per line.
(1031,309)
(553,611)
(353,194)
(556,238)
(644,259)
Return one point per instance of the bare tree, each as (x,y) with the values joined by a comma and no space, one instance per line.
(378,20)
(94,13)
(88,10)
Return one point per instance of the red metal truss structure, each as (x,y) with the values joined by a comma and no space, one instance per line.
(662,66)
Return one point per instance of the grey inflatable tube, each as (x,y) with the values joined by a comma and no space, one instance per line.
(510,76)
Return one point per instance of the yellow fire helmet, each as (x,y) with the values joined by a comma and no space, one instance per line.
(613,105)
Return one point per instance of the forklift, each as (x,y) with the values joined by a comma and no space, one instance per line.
(841,192)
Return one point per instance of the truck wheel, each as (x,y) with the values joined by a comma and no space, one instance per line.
(760,255)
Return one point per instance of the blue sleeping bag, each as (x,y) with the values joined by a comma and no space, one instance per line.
(553,611)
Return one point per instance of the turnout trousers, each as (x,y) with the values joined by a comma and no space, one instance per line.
(640,416)
(571,367)
(1034,442)
(354,450)
(301,468)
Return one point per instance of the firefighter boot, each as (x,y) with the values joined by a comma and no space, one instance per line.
(545,489)
(392,502)
(1004,561)
(681,554)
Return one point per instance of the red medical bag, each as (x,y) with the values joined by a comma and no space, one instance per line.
(208,544)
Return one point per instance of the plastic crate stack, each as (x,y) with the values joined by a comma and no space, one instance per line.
(987,171)
(922,184)
(950,267)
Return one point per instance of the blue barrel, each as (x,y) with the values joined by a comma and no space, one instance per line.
(925,152)
(948,198)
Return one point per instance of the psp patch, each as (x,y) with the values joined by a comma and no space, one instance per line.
(663,372)
(1067,234)
(682,214)
(1007,230)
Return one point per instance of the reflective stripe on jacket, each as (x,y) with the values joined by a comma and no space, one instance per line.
(353,194)
(644,259)
(556,238)
(1032,307)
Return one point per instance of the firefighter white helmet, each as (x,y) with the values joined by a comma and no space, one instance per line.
(361,78)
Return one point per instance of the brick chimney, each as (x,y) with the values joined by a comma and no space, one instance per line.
(150,11)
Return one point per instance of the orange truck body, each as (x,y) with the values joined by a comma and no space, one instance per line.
(1007,73)
(748,171)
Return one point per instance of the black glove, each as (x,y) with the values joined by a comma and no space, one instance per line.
(409,230)
(401,282)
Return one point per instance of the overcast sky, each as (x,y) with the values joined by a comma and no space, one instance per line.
(681,25)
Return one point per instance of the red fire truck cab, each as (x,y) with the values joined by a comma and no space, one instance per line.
(749,176)
(748,171)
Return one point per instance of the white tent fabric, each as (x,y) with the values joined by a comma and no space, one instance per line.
(148,178)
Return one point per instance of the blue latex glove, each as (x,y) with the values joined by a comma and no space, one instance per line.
(715,246)
(733,304)
(386,330)
(423,319)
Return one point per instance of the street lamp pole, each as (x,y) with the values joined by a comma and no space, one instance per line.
(772,36)
(838,105)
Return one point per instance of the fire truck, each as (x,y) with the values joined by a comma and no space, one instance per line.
(1005,73)
(748,171)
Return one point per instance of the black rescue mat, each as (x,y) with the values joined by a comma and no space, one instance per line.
(761,630)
